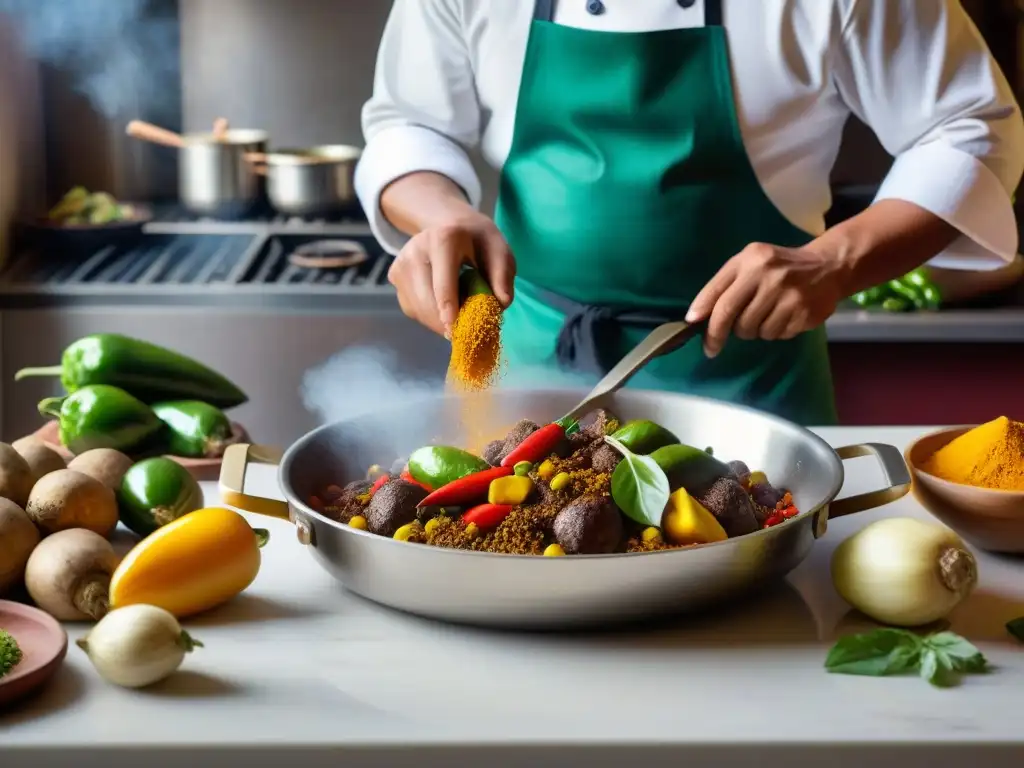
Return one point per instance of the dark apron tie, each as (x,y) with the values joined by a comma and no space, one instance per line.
(590,335)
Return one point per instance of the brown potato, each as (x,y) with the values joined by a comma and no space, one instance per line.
(16,478)
(41,458)
(104,464)
(69,499)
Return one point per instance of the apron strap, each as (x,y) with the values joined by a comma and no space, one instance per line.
(544,10)
(589,332)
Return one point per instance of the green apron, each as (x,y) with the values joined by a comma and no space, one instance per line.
(626,188)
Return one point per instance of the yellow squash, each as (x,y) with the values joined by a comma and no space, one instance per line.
(190,565)
(686,521)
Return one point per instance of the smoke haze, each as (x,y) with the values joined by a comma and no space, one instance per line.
(120,54)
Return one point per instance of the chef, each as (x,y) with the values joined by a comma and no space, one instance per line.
(663,159)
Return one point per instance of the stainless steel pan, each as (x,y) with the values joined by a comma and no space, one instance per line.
(538,592)
(319,181)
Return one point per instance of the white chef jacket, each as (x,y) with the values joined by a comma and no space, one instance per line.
(916,71)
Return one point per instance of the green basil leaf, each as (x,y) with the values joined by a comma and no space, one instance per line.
(1016,628)
(932,668)
(639,486)
(876,654)
(960,655)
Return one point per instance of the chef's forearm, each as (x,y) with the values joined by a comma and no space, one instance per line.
(421,200)
(886,241)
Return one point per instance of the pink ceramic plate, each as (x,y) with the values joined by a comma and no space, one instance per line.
(43,644)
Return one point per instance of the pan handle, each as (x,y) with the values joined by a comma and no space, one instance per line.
(235,462)
(897,475)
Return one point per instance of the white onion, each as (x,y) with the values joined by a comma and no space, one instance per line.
(904,572)
(137,645)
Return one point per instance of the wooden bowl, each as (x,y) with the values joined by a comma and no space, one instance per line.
(43,643)
(200,469)
(989,519)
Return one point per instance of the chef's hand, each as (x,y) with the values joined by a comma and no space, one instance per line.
(426,271)
(769,292)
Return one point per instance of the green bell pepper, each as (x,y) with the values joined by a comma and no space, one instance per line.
(156,492)
(194,429)
(437,465)
(147,371)
(102,416)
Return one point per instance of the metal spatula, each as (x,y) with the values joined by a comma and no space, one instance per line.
(663,339)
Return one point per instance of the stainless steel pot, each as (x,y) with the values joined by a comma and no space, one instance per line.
(539,592)
(310,182)
(215,178)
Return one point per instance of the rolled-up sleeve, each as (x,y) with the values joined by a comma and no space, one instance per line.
(920,76)
(424,111)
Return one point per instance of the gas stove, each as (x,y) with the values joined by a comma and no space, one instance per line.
(183,260)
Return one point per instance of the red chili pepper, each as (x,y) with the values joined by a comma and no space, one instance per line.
(790,511)
(466,489)
(410,479)
(487,516)
(774,520)
(536,446)
(316,503)
(378,484)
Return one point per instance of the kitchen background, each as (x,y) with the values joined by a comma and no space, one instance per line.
(226,292)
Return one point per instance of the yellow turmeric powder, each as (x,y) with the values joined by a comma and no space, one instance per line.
(988,456)
(476,343)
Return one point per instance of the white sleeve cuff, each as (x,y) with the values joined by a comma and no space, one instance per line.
(961,190)
(398,151)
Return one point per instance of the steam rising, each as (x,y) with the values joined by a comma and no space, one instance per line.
(122,55)
(362,380)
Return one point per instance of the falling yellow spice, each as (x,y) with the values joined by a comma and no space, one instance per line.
(988,456)
(476,343)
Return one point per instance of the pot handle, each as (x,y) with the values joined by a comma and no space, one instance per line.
(897,475)
(234,464)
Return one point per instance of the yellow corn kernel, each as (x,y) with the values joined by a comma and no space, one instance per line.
(432,525)
(559,481)
(757,478)
(512,490)
(554,550)
(472,530)
(546,469)
(357,521)
(651,534)
(407,531)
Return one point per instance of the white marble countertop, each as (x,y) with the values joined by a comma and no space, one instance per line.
(297,670)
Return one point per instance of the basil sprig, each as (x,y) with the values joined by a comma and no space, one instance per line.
(639,486)
(941,658)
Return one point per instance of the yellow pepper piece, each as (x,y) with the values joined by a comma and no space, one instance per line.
(192,564)
(553,550)
(472,530)
(432,525)
(407,531)
(559,481)
(686,521)
(651,534)
(757,478)
(546,469)
(357,521)
(513,490)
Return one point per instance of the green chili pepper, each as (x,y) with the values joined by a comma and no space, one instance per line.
(472,283)
(101,416)
(908,291)
(155,492)
(871,297)
(894,304)
(929,291)
(150,373)
(644,436)
(438,465)
(194,429)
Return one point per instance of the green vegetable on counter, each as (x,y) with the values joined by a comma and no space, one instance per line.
(151,373)
(915,290)
(639,486)
(1016,628)
(940,658)
(644,436)
(102,416)
(194,429)
(437,465)
(10,653)
(155,492)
